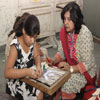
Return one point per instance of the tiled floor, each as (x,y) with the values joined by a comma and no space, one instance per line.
(51,53)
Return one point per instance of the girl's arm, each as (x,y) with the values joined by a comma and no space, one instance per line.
(37,59)
(10,71)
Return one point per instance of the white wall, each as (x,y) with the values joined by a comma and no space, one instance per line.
(8,11)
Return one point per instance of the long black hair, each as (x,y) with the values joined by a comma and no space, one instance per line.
(75,15)
(18,24)
(14,26)
(31,25)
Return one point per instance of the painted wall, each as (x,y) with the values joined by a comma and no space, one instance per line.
(9,9)
(91,11)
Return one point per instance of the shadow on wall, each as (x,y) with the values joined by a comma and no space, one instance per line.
(91,13)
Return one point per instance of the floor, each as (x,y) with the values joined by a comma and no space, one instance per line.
(51,52)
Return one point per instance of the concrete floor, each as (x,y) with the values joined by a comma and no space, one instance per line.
(51,51)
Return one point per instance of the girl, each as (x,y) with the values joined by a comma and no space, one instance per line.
(23,54)
(12,34)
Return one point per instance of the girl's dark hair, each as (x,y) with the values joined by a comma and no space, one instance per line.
(75,15)
(31,25)
(14,26)
(17,27)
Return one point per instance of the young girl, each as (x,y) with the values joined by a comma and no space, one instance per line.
(12,34)
(22,56)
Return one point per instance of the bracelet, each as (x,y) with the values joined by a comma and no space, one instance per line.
(71,69)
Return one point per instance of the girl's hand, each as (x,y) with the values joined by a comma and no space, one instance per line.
(39,71)
(64,66)
(31,73)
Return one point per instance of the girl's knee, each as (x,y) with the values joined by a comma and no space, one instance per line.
(40,96)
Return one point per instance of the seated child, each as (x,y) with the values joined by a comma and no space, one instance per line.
(23,54)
